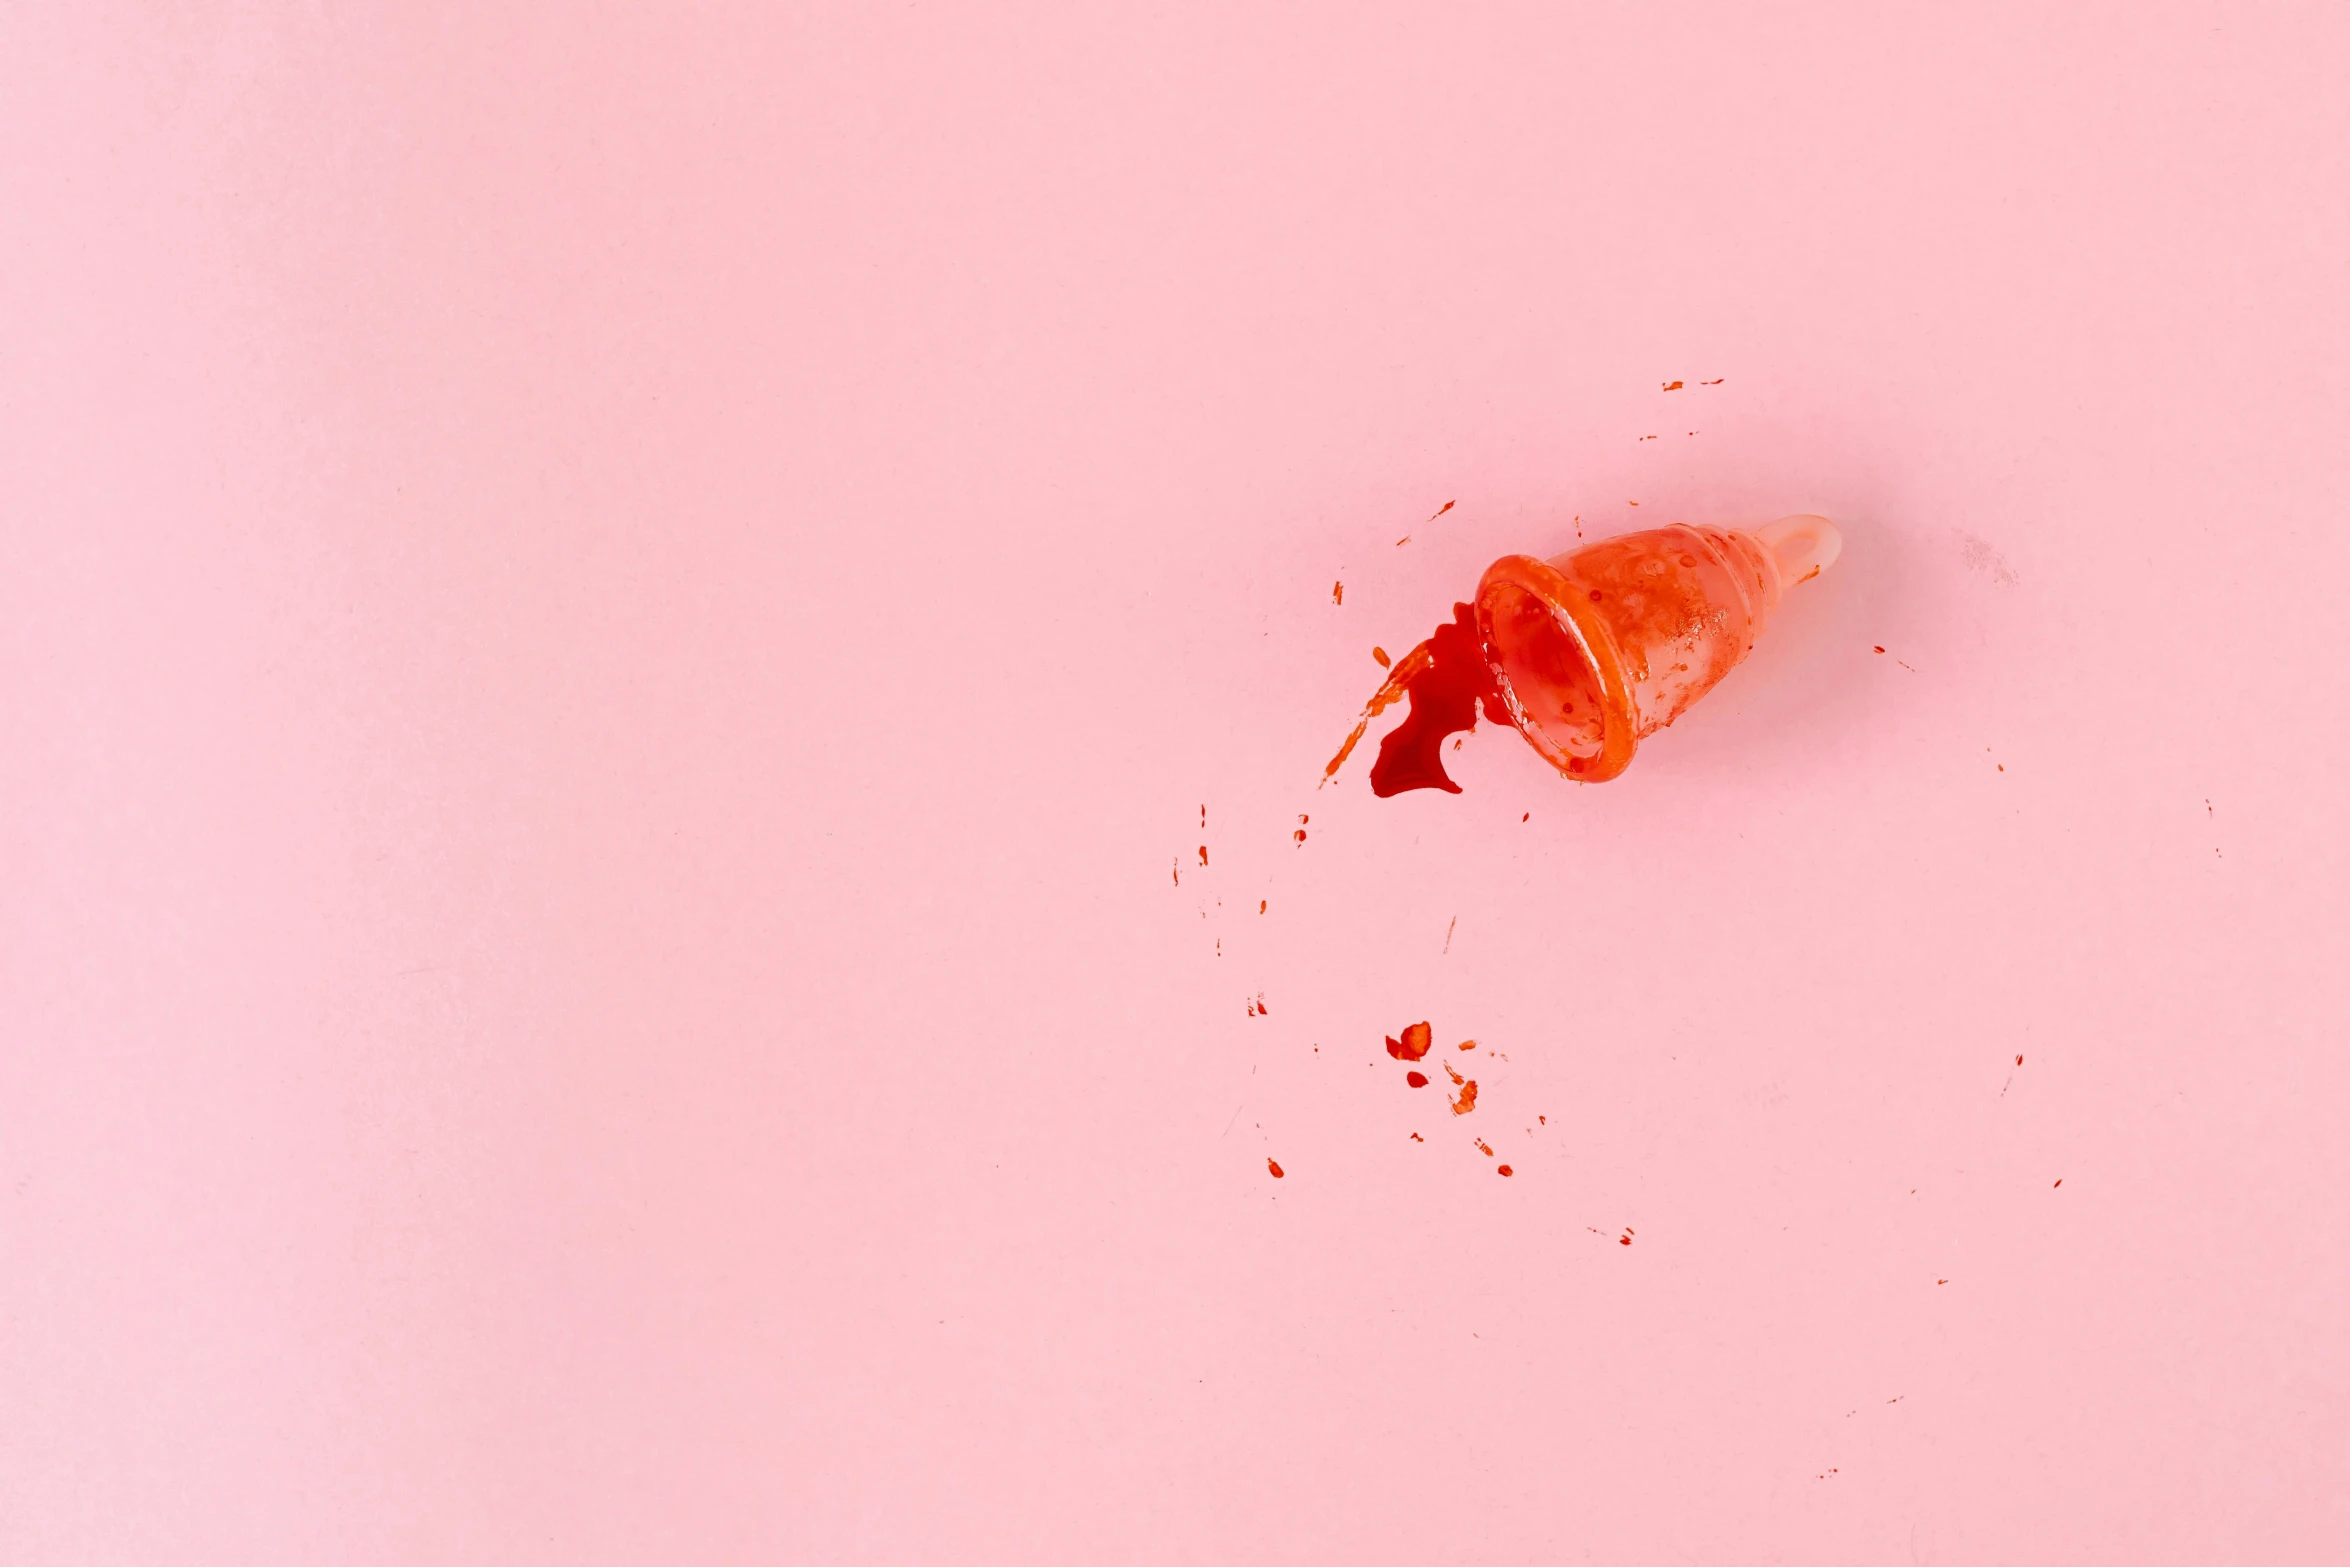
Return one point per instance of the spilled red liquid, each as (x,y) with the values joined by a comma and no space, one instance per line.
(1445,689)
(1446,679)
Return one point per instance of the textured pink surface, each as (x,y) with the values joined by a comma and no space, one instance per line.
(611,630)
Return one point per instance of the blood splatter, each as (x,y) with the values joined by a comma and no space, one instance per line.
(1672,386)
(1542,1120)
(1624,1239)
(1529,816)
(2059,1182)
(1260,905)
(1275,1167)
(1441,510)
(2019,1060)
(1716,381)
(1486,1146)
(1447,680)
(1179,870)
(1504,1170)
(1379,657)
(1468,1099)
(1337,592)
(1417,1138)
(1456,1077)
(1468,1044)
(1415,1079)
(1414,1043)
(1203,854)
(1880,650)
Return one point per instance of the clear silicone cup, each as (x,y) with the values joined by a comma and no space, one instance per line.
(1597,649)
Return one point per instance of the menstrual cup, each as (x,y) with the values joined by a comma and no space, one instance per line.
(1593,651)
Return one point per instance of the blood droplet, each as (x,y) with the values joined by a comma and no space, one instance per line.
(1275,1167)
(1672,386)
(1504,1170)
(1337,592)
(1415,1079)
(1414,1043)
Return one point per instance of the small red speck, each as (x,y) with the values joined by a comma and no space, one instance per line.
(1337,592)
(1260,905)
(1624,1239)
(1505,1170)
(1942,1281)
(1716,381)
(1529,816)
(1275,1167)
(2059,1182)
(1441,510)
(2019,1060)
(1481,1143)
(1415,1079)
(2003,767)
(1417,1138)
(1880,650)
(1672,386)
(1299,835)
(1631,503)
(1179,872)
(1379,656)
(1542,1120)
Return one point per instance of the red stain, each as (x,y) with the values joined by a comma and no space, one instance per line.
(1529,816)
(1260,905)
(1414,1043)
(1505,1170)
(1178,870)
(1488,1147)
(2019,1060)
(2059,1182)
(1415,1079)
(1467,1101)
(1456,1077)
(1417,1138)
(1880,650)
(1379,657)
(1441,510)
(1337,592)
(1672,386)
(1203,854)
(1468,1044)
(1446,680)
(1624,1239)
(1542,1120)
(1275,1167)
(1299,835)
(1942,1281)
(1716,381)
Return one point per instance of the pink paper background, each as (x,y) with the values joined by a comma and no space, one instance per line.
(612,627)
